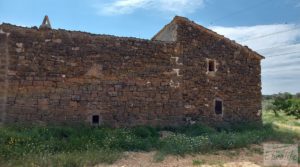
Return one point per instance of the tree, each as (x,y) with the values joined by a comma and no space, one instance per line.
(297,95)
(286,103)
(294,109)
(268,105)
(282,102)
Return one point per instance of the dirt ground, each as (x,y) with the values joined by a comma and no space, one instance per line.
(244,157)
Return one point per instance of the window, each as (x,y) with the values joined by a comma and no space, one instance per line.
(218,107)
(95,119)
(211,66)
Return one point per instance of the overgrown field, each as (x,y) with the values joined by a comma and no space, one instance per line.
(87,146)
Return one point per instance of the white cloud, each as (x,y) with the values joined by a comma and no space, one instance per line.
(280,69)
(252,36)
(116,7)
(122,6)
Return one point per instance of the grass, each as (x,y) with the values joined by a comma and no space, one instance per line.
(257,150)
(87,146)
(180,143)
(159,156)
(282,118)
(79,146)
(198,162)
(70,159)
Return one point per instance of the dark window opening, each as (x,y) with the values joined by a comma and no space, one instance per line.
(95,119)
(218,107)
(211,65)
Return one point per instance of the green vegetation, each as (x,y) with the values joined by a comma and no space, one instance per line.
(280,118)
(198,162)
(79,146)
(181,143)
(283,102)
(67,159)
(60,146)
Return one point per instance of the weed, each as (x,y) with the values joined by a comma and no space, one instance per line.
(198,162)
(257,150)
(232,153)
(159,157)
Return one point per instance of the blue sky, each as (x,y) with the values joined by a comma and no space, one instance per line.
(241,20)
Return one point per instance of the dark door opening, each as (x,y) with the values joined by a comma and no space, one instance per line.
(211,66)
(218,107)
(95,119)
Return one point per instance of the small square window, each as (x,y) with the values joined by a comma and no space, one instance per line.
(211,66)
(218,107)
(95,119)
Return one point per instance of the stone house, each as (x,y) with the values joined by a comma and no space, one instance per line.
(185,74)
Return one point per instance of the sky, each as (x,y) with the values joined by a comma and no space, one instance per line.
(270,27)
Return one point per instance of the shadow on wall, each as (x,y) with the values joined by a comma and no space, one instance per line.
(4,56)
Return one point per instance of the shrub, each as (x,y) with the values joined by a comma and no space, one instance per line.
(72,159)
(145,131)
(198,162)
(294,109)
(196,130)
(180,144)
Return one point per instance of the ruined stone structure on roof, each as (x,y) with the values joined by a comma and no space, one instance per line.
(186,74)
(46,23)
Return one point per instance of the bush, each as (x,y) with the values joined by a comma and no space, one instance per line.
(145,131)
(181,144)
(285,102)
(196,130)
(126,140)
(294,109)
(190,130)
(72,159)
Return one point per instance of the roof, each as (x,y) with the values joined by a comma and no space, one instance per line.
(179,19)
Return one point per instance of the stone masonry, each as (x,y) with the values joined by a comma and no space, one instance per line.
(186,74)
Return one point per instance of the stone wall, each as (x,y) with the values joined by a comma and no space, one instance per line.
(58,76)
(3,74)
(237,80)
